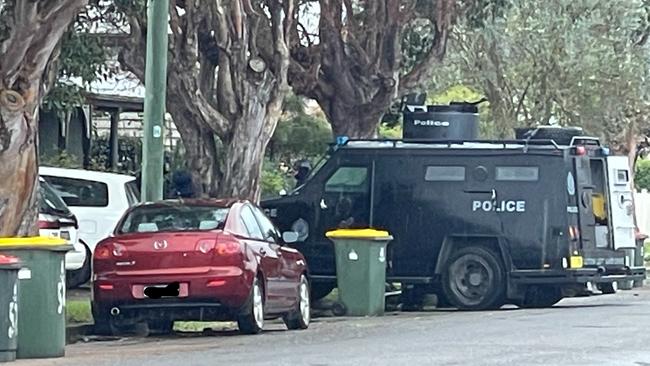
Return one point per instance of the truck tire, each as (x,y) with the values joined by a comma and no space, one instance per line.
(474,279)
(537,297)
(608,288)
(412,298)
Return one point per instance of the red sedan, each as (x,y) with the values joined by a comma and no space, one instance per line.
(200,260)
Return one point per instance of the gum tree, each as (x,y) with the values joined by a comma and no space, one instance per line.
(30,32)
(227,78)
(354,63)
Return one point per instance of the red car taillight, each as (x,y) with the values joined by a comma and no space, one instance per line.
(227,248)
(205,245)
(102,252)
(108,250)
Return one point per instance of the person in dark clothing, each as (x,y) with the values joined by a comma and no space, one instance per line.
(182,185)
(302,173)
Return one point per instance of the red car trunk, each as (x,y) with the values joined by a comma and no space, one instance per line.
(167,253)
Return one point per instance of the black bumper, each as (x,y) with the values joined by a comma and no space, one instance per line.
(174,310)
(573,276)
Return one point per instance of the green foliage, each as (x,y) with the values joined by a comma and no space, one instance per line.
(299,135)
(390,132)
(82,57)
(567,62)
(273,179)
(61,160)
(480,12)
(78,311)
(642,175)
(416,42)
(463,93)
(129,154)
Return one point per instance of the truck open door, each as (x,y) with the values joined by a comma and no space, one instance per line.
(621,210)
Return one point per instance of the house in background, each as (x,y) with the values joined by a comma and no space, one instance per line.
(102,115)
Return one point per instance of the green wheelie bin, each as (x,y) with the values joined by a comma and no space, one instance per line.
(361,269)
(9,267)
(41,321)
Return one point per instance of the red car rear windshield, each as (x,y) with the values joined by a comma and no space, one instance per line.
(173,218)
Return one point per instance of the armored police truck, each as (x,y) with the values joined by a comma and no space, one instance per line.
(480,223)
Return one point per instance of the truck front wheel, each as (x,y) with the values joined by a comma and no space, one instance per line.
(474,279)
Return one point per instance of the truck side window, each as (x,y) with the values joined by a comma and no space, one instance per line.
(445,174)
(517,173)
(348,180)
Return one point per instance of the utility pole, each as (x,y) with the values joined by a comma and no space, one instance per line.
(155,81)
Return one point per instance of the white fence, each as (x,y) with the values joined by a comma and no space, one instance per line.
(642,205)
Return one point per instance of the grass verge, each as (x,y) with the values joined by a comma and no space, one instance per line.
(200,326)
(78,311)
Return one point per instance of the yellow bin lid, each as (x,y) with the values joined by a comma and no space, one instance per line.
(358,234)
(35,242)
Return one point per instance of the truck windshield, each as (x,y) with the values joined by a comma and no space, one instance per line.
(321,162)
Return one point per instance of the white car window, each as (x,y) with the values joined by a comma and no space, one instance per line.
(79,192)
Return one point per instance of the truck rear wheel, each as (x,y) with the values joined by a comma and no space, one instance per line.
(474,279)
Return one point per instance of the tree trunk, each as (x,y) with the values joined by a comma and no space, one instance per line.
(199,141)
(18,166)
(354,121)
(31,32)
(243,170)
(201,158)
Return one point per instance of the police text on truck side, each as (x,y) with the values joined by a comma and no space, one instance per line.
(499,206)
(428,122)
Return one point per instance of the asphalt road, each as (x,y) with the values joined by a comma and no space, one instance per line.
(603,330)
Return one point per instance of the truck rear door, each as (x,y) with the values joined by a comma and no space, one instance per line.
(620,202)
(584,192)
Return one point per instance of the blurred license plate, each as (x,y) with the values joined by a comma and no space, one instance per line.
(138,291)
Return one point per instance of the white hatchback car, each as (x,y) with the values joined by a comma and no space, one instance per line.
(97,199)
(56,220)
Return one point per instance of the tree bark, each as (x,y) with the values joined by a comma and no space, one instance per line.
(354,121)
(356,70)
(243,169)
(18,166)
(225,91)
(34,29)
